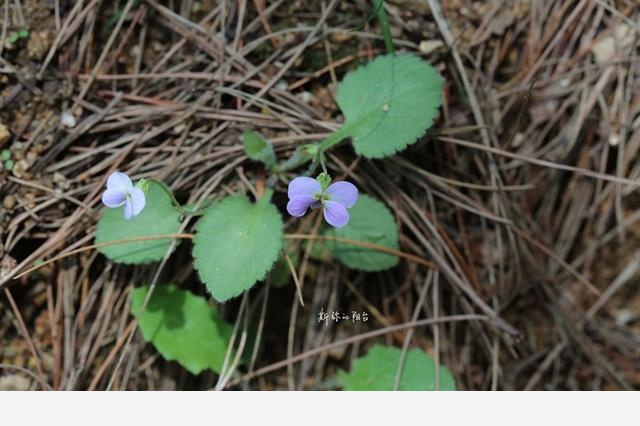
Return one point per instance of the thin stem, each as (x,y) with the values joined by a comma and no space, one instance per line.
(302,156)
(384,25)
(175,202)
(334,138)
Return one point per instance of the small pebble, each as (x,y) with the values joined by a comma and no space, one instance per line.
(429,46)
(9,202)
(68,120)
(20,168)
(4,134)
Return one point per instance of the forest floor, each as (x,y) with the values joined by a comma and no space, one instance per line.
(524,189)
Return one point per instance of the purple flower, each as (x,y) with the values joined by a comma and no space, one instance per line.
(305,192)
(121,192)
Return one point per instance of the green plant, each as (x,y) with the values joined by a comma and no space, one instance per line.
(16,36)
(387,104)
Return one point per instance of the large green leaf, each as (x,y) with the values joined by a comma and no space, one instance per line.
(376,371)
(389,103)
(159,217)
(370,222)
(235,245)
(183,327)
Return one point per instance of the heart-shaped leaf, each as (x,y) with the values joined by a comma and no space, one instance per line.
(370,222)
(183,327)
(389,103)
(159,217)
(236,244)
(377,370)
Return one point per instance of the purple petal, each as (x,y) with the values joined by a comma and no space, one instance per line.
(335,214)
(138,200)
(298,206)
(119,181)
(344,193)
(303,186)
(113,198)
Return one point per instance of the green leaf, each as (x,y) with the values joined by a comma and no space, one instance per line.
(258,149)
(23,33)
(183,327)
(157,218)
(236,244)
(370,222)
(389,103)
(376,371)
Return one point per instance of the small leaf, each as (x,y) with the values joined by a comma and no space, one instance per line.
(370,222)
(258,149)
(158,217)
(23,33)
(183,327)
(389,103)
(376,371)
(236,244)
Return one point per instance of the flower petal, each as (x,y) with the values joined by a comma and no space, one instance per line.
(113,198)
(303,186)
(298,206)
(344,193)
(119,181)
(128,209)
(138,200)
(335,214)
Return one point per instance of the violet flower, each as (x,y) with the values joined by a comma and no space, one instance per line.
(121,192)
(335,199)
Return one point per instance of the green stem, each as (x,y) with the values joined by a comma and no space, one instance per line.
(301,156)
(384,24)
(334,138)
(175,202)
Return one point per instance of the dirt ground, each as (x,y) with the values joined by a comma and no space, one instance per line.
(523,194)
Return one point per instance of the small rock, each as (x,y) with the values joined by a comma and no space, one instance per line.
(68,120)
(30,199)
(613,43)
(305,97)
(60,180)
(341,37)
(179,129)
(624,316)
(9,202)
(430,46)
(20,168)
(39,44)
(4,134)
(31,158)
(14,382)
(614,139)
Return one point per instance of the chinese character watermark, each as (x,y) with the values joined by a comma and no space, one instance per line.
(337,316)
